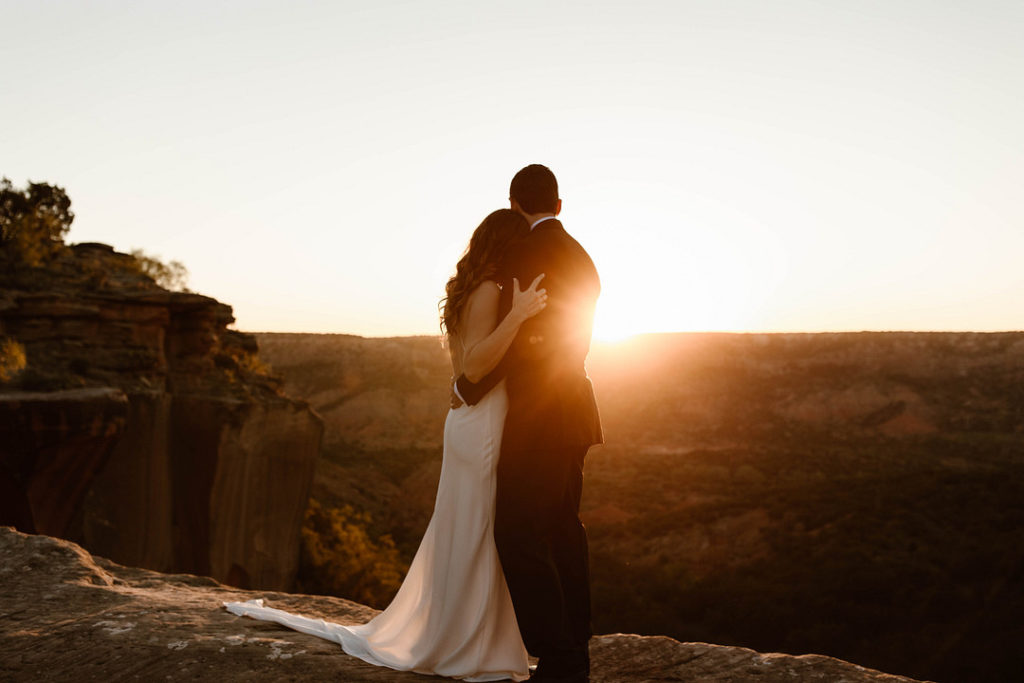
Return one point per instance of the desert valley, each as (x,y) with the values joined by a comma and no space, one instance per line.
(858,495)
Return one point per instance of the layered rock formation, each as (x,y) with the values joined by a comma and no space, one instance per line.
(213,465)
(70,616)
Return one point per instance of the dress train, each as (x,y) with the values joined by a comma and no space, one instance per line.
(452,615)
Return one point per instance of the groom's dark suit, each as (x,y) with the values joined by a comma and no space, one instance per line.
(552,420)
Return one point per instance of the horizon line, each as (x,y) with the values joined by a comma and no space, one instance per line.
(671,332)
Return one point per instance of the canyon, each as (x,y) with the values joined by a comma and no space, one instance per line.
(855,495)
(858,495)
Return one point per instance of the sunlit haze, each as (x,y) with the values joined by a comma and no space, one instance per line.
(762,166)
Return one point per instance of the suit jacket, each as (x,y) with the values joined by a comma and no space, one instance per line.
(551,402)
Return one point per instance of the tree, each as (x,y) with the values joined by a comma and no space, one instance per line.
(33,221)
(339,557)
(172,275)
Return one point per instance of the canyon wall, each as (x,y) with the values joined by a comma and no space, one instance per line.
(175,449)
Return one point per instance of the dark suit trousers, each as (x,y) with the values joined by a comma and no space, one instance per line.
(543,549)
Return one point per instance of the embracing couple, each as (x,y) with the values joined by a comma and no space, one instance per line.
(503,566)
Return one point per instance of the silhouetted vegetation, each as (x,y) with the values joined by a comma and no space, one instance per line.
(903,556)
(33,223)
(172,275)
(12,359)
(340,558)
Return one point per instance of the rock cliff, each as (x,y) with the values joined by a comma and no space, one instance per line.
(177,452)
(57,442)
(383,402)
(70,616)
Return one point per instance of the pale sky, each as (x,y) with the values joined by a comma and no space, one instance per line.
(730,165)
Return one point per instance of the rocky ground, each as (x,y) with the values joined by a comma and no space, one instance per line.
(68,616)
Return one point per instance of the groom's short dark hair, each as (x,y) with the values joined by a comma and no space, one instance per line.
(535,189)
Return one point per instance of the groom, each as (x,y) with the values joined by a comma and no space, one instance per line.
(552,420)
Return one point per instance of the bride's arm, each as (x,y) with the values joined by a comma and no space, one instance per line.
(485,342)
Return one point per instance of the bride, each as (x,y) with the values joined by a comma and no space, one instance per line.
(453,615)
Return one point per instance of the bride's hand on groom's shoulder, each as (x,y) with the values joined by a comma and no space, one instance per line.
(528,302)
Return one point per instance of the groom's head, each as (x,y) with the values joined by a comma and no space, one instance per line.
(534,190)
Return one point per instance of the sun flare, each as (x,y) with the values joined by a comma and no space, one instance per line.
(612,324)
(697,301)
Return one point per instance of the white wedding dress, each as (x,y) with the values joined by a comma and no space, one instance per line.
(453,615)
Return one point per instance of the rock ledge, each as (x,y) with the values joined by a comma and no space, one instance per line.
(68,616)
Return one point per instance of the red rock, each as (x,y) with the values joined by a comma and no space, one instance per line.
(53,444)
(214,464)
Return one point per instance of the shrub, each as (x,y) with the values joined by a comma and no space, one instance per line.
(12,359)
(33,222)
(172,275)
(340,558)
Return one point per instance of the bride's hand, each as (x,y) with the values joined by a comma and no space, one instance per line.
(528,302)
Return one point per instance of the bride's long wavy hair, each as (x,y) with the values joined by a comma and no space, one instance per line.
(481,261)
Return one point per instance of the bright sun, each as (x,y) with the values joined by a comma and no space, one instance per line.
(706,270)
(614,323)
(691,301)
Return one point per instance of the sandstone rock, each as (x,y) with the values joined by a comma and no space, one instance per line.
(621,657)
(127,514)
(207,485)
(69,616)
(51,447)
(212,472)
(241,473)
